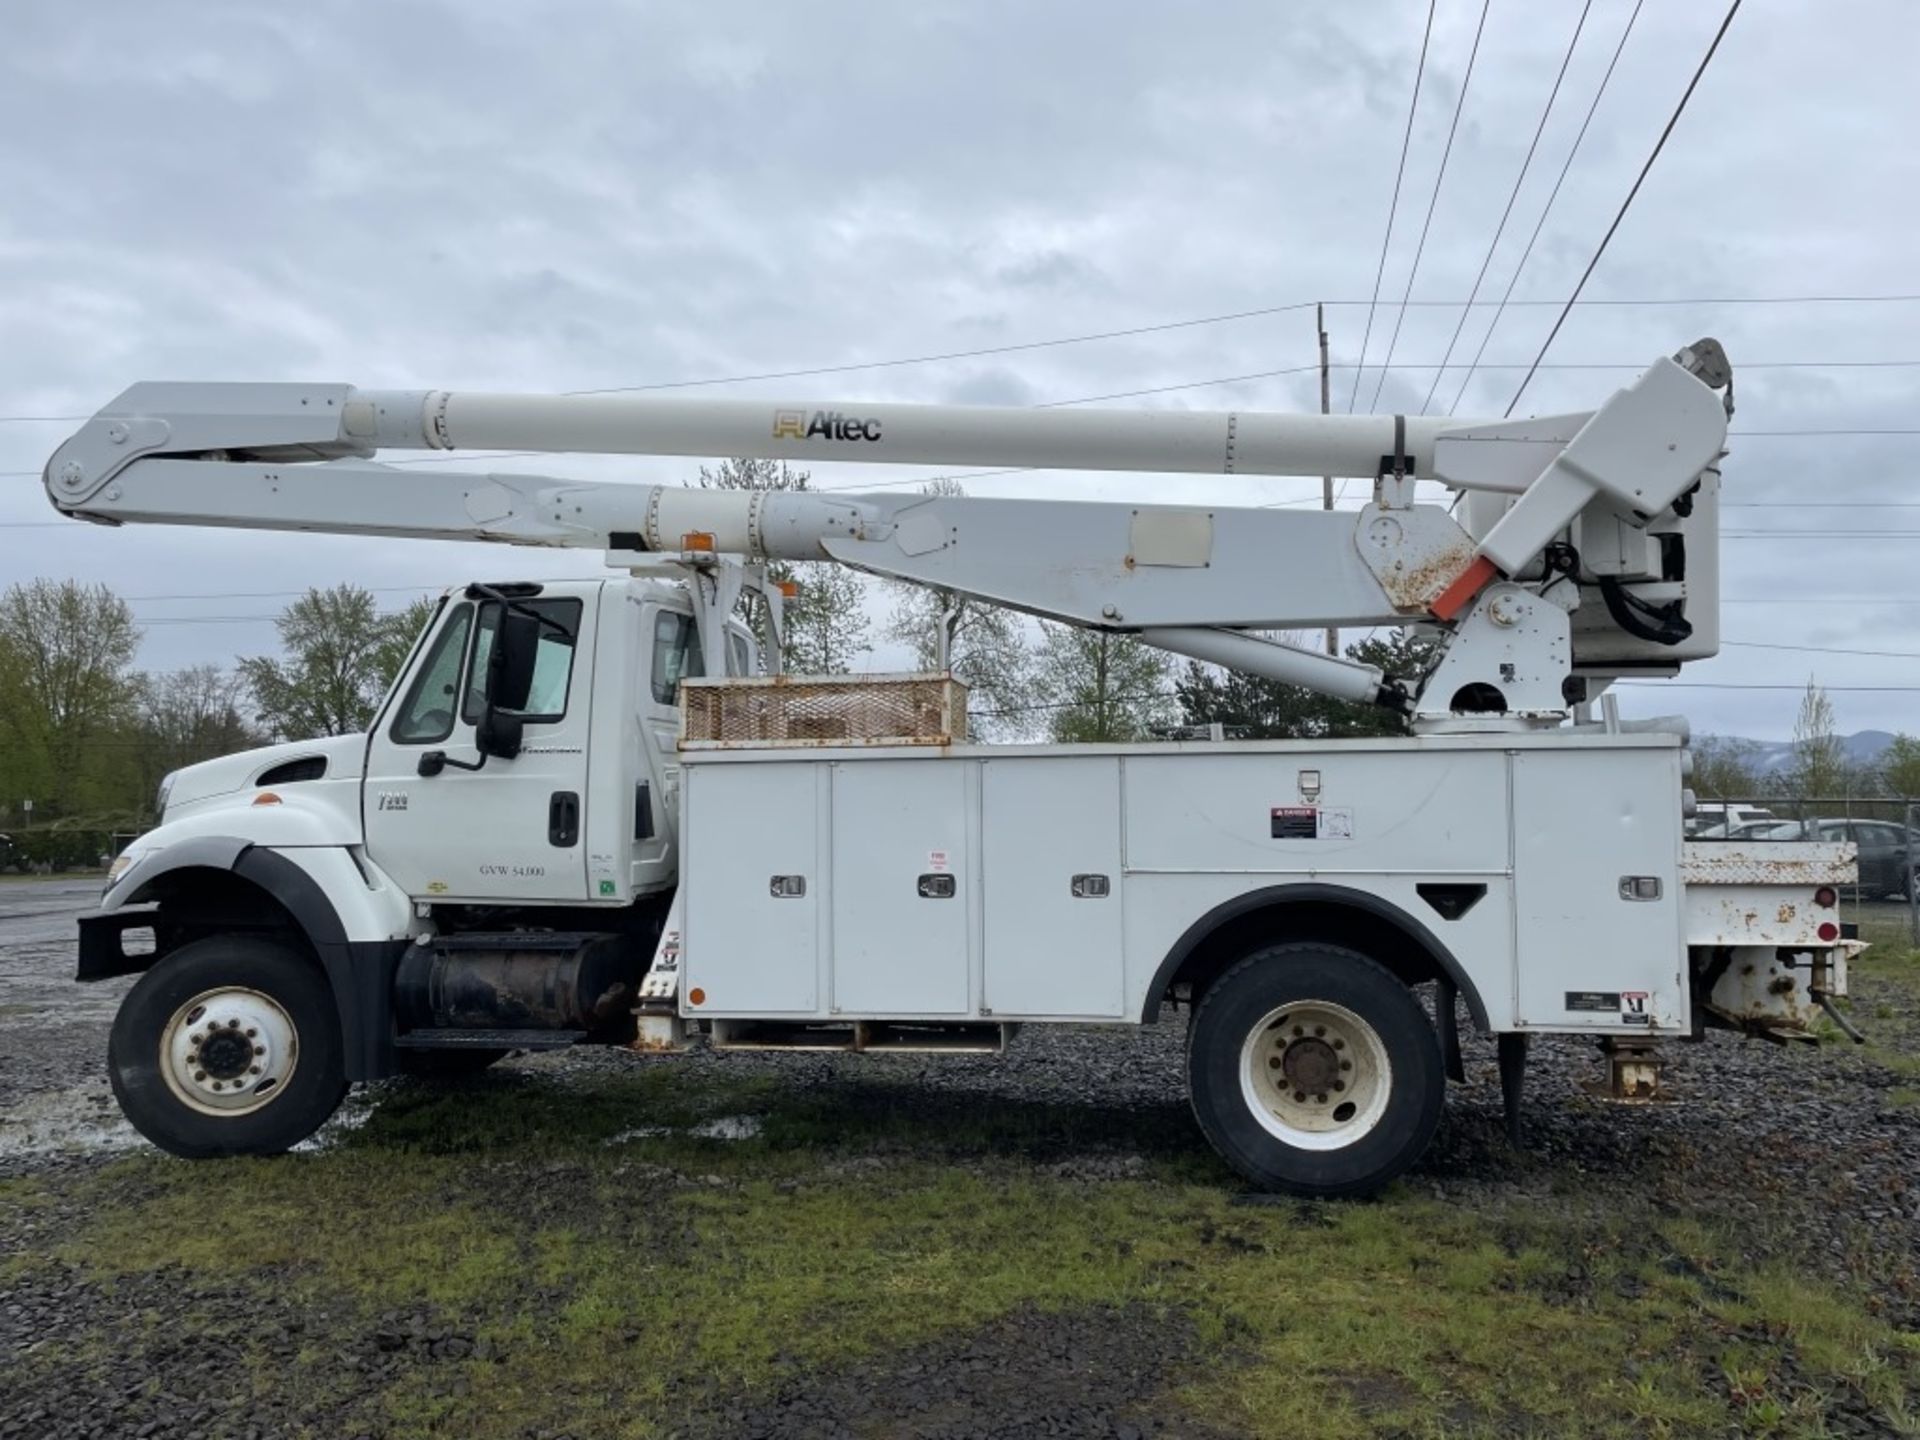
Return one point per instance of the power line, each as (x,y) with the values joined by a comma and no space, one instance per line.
(1730,685)
(1393,207)
(1546,210)
(1433,202)
(1819,649)
(1512,196)
(1639,180)
(1666,301)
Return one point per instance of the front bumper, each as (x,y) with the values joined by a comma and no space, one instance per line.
(103,942)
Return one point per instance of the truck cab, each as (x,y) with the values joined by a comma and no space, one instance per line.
(584,813)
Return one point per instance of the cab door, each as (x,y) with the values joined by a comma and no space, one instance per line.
(484,828)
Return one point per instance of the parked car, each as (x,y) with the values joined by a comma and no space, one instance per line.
(1886,849)
(1718,820)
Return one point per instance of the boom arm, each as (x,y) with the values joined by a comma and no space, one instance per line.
(1192,580)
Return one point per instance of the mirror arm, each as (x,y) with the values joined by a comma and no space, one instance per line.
(546,622)
(434,761)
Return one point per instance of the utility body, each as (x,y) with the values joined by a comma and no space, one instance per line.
(594,811)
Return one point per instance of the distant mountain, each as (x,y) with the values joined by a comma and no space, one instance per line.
(1864,750)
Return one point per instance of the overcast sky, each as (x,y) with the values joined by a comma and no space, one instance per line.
(553,197)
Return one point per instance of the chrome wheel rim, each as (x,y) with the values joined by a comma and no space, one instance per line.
(229,1051)
(1315,1075)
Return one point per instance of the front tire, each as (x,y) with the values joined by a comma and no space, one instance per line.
(229,1045)
(1314,1070)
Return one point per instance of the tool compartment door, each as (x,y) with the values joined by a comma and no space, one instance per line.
(902,891)
(1586,825)
(1051,847)
(751,880)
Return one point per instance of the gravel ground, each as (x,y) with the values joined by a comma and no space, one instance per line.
(1803,1149)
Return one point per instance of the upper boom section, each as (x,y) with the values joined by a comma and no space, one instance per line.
(265,421)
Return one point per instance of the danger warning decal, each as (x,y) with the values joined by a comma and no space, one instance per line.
(1311,822)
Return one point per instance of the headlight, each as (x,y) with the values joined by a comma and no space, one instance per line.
(160,796)
(122,863)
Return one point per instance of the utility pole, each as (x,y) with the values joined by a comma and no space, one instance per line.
(1326,405)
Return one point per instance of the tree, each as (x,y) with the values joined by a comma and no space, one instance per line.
(1100,687)
(826,622)
(988,652)
(1900,767)
(400,632)
(1725,768)
(1819,760)
(341,653)
(1256,708)
(66,695)
(187,716)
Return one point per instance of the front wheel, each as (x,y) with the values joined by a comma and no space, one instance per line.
(229,1045)
(1314,1070)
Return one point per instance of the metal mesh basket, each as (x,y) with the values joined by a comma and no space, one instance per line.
(796,710)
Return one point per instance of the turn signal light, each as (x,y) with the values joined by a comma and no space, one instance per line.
(266,797)
(1826,897)
(698,541)
(789,589)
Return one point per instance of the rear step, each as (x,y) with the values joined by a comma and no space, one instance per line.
(867,1036)
(489,1039)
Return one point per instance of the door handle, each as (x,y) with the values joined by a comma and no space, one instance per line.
(563,818)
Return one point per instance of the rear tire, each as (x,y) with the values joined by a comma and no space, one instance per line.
(1314,1070)
(229,1045)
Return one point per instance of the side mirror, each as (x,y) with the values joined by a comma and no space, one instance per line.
(499,733)
(516,646)
(510,668)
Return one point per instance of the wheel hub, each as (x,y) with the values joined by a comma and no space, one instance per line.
(229,1051)
(1311,1064)
(1315,1075)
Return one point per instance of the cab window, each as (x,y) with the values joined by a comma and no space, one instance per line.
(426,715)
(552,663)
(739,657)
(676,655)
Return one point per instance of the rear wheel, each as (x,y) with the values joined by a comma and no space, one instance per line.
(230,1045)
(1314,1070)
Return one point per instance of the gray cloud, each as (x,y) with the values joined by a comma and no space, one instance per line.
(574,195)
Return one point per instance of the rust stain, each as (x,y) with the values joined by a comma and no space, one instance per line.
(1415,587)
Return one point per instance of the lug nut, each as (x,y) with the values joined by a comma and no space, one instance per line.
(1320,1099)
(1298,1031)
(251,1032)
(259,1049)
(233,1024)
(1299,1097)
(254,1071)
(1339,1044)
(1346,1064)
(200,1075)
(1339,1084)
(1319,1030)
(216,1084)
(1273,1062)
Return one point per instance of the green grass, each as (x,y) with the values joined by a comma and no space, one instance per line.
(641,1271)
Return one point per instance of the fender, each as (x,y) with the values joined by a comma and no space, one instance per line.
(359,972)
(1280,897)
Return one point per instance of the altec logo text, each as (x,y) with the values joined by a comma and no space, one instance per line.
(823,424)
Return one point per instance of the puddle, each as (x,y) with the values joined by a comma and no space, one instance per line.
(81,1121)
(86,1120)
(728,1127)
(723,1127)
